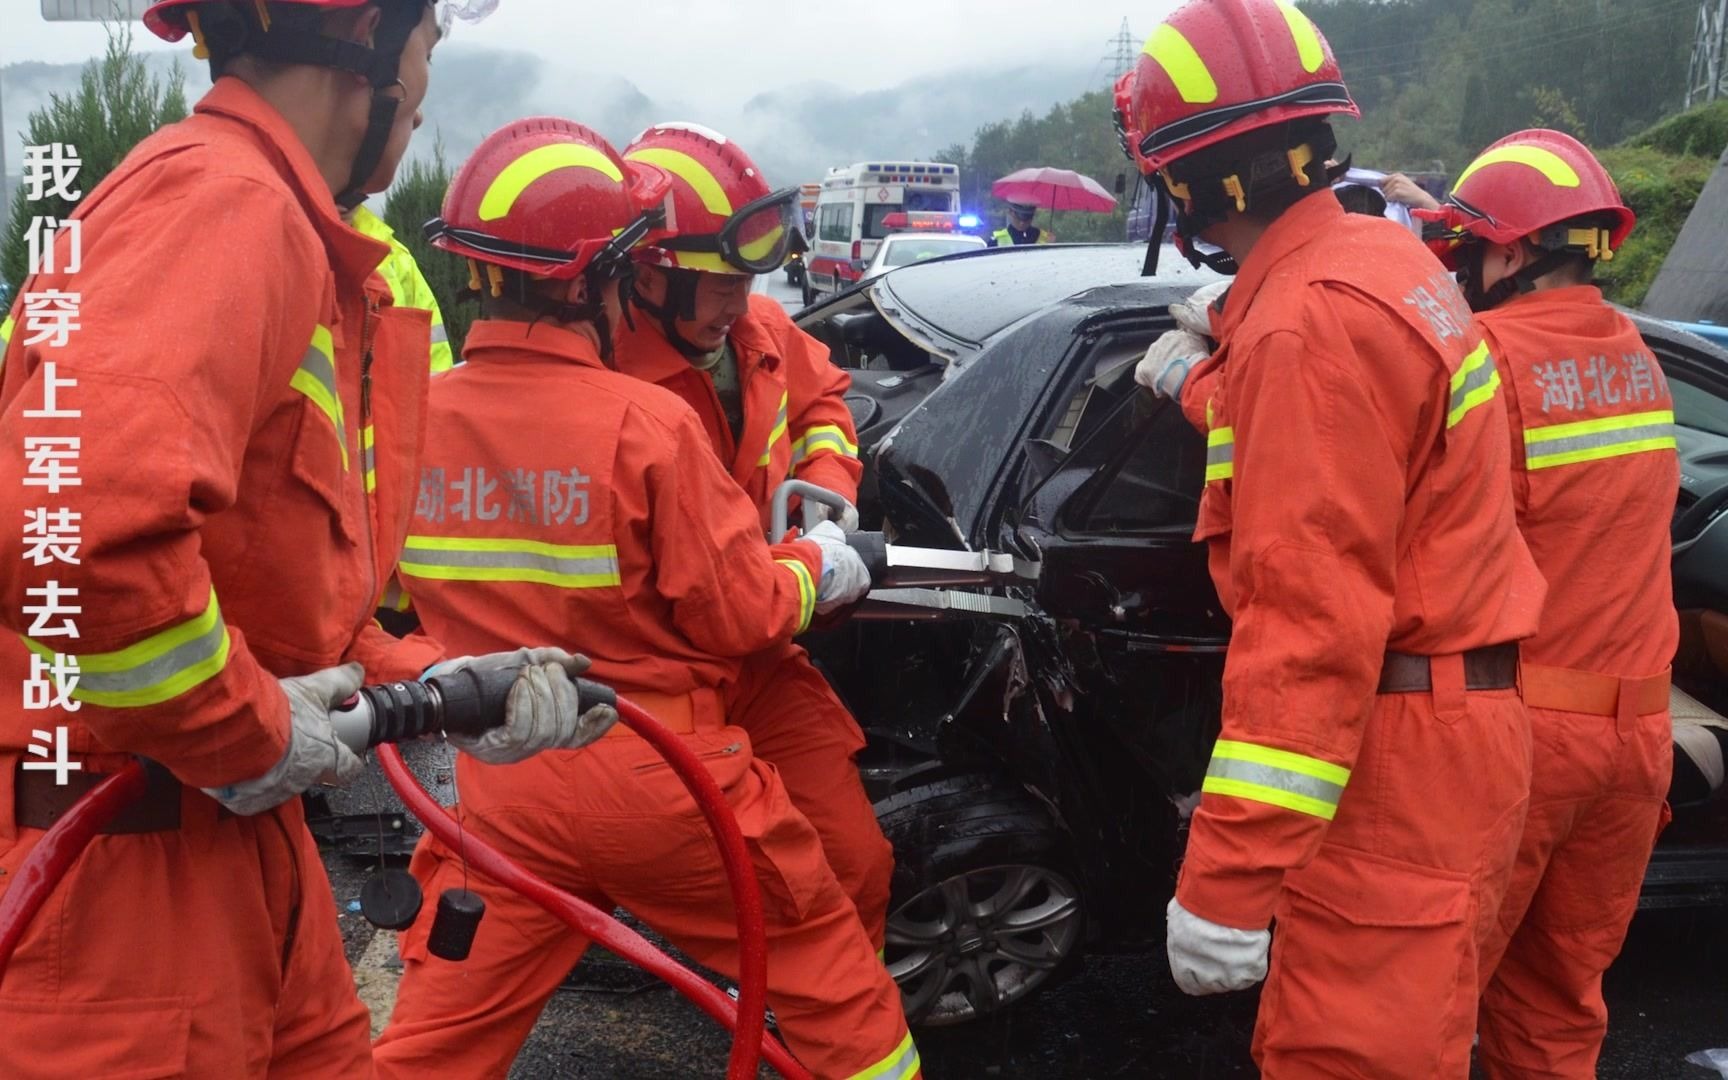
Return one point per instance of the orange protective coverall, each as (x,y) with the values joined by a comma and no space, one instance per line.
(227,540)
(565,504)
(796,424)
(1357,503)
(1594,472)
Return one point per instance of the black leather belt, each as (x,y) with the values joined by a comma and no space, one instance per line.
(1492,667)
(38,802)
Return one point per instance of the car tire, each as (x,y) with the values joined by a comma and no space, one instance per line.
(986,908)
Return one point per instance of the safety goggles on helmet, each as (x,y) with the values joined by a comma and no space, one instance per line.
(606,258)
(755,240)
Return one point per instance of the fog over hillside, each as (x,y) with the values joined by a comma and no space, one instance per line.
(795,133)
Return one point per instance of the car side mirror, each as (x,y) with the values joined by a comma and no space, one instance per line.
(1121,183)
(858,265)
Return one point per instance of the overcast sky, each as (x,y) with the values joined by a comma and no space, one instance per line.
(729,50)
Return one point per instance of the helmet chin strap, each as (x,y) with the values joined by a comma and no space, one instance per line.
(1470,277)
(680,304)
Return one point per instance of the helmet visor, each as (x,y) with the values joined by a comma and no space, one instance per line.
(755,240)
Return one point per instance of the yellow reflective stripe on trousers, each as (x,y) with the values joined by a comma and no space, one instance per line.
(395,597)
(806,591)
(899,1065)
(823,438)
(160,668)
(1593,440)
(1476,381)
(369,457)
(316,378)
(1276,777)
(777,433)
(1220,454)
(455,558)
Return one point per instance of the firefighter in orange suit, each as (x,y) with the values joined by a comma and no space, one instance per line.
(227,551)
(1371,778)
(772,405)
(1594,470)
(564,500)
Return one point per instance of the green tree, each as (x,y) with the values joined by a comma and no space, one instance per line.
(118,104)
(416,198)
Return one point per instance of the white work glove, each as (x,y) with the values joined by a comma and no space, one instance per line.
(1206,958)
(542,711)
(1174,355)
(1166,365)
(314,755)
(844,577)
(846,517)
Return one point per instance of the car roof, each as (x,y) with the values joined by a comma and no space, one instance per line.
(973,297)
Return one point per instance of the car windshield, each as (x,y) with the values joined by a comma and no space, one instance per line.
(918,248)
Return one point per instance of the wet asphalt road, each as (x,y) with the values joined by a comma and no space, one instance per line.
(1120,1016)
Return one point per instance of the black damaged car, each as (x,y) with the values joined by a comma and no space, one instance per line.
(1035,746)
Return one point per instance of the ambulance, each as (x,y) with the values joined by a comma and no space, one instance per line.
(853,208)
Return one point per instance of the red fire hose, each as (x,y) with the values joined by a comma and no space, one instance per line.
(58,849)
(745,1018)
(61,845)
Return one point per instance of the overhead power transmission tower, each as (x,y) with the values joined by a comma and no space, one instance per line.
(1707,74)
(1125,50)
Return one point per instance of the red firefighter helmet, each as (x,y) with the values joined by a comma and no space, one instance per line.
(1216,69)
(1540,184)
(167,19)
(549,197)
(1121,113)
(723,217)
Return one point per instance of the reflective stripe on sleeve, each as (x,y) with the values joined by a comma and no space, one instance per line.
(316,378)
(823,438)
(806,591)
(1220,454)
(1593,440)
(1276,777)
(775,434)
(160,668)
(902,1064)
(6,326)
(1476,381)
(442,558)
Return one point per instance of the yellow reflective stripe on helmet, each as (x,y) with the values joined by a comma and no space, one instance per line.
(1546,162)
(1593,440)
(460,558)
(902,1063)
(775,435)
(316,378)
(823,438)
(502,193)
(369,457)
(759,249)
(1276,777)
(1187,71)
(157,669)
(806,591)
(1308,46)
(1220,454)
(692,172)
(1477,380)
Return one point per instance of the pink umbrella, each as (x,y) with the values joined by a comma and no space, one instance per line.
(1054,189)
